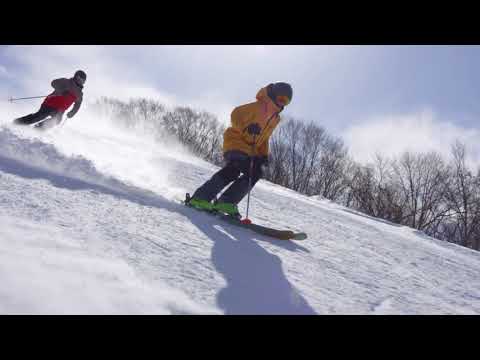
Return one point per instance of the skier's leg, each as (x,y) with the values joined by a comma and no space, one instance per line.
(41,114)
(222,178)
(217,182)
(237,191)
(55,119)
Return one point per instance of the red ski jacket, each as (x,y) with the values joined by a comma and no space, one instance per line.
(66,93)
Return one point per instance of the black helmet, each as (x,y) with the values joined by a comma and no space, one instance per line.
(80,77)
(281,93)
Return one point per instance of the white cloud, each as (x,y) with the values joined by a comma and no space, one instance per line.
(419,132)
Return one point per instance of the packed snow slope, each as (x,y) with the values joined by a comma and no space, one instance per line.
(90,223)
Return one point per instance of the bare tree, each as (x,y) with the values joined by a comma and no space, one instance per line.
(330,178)
(464,200)
(422,180)
(277,171)
(372,190)
(312,139)
(294,161)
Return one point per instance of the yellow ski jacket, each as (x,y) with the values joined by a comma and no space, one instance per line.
(265,113)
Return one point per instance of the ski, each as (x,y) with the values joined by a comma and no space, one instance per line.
(263,230)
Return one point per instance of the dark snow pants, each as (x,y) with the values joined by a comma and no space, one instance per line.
(43,113)
(237,163)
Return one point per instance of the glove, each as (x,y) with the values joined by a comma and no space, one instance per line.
(254,129)
(70,114)
(263,160)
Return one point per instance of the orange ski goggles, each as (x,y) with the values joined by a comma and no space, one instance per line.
(282,100)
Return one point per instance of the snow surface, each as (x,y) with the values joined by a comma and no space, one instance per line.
(90,223)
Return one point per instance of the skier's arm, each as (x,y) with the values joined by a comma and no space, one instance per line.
(240,117)
(61,84)
(262,150)
(75,108)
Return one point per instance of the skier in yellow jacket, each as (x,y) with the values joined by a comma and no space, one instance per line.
(247,138)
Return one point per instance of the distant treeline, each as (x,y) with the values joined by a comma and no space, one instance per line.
(422,190)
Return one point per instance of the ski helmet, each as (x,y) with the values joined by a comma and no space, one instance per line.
(281,93)
(80,77)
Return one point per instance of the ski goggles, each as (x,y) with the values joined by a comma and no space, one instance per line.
(282,100)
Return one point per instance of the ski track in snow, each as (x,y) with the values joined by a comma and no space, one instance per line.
(90,222)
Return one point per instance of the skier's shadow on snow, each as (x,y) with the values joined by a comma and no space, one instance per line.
(256,282)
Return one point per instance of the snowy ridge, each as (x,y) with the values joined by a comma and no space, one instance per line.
(90,222)
(37,155)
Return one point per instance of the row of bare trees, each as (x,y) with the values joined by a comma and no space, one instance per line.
(420,190)
(305,158)
(423,191)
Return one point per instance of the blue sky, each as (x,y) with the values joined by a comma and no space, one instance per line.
(353,91)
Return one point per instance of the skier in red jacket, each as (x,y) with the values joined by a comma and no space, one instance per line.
(67,92)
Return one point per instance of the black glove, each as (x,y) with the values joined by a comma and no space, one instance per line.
(254,129)
(263,160)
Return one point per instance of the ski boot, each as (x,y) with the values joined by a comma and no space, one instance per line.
(199,204)
(228,209)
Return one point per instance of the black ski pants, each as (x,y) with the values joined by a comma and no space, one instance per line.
(237,163)
(43,113)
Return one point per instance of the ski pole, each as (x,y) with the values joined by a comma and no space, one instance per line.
(247,220)
(25,98)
